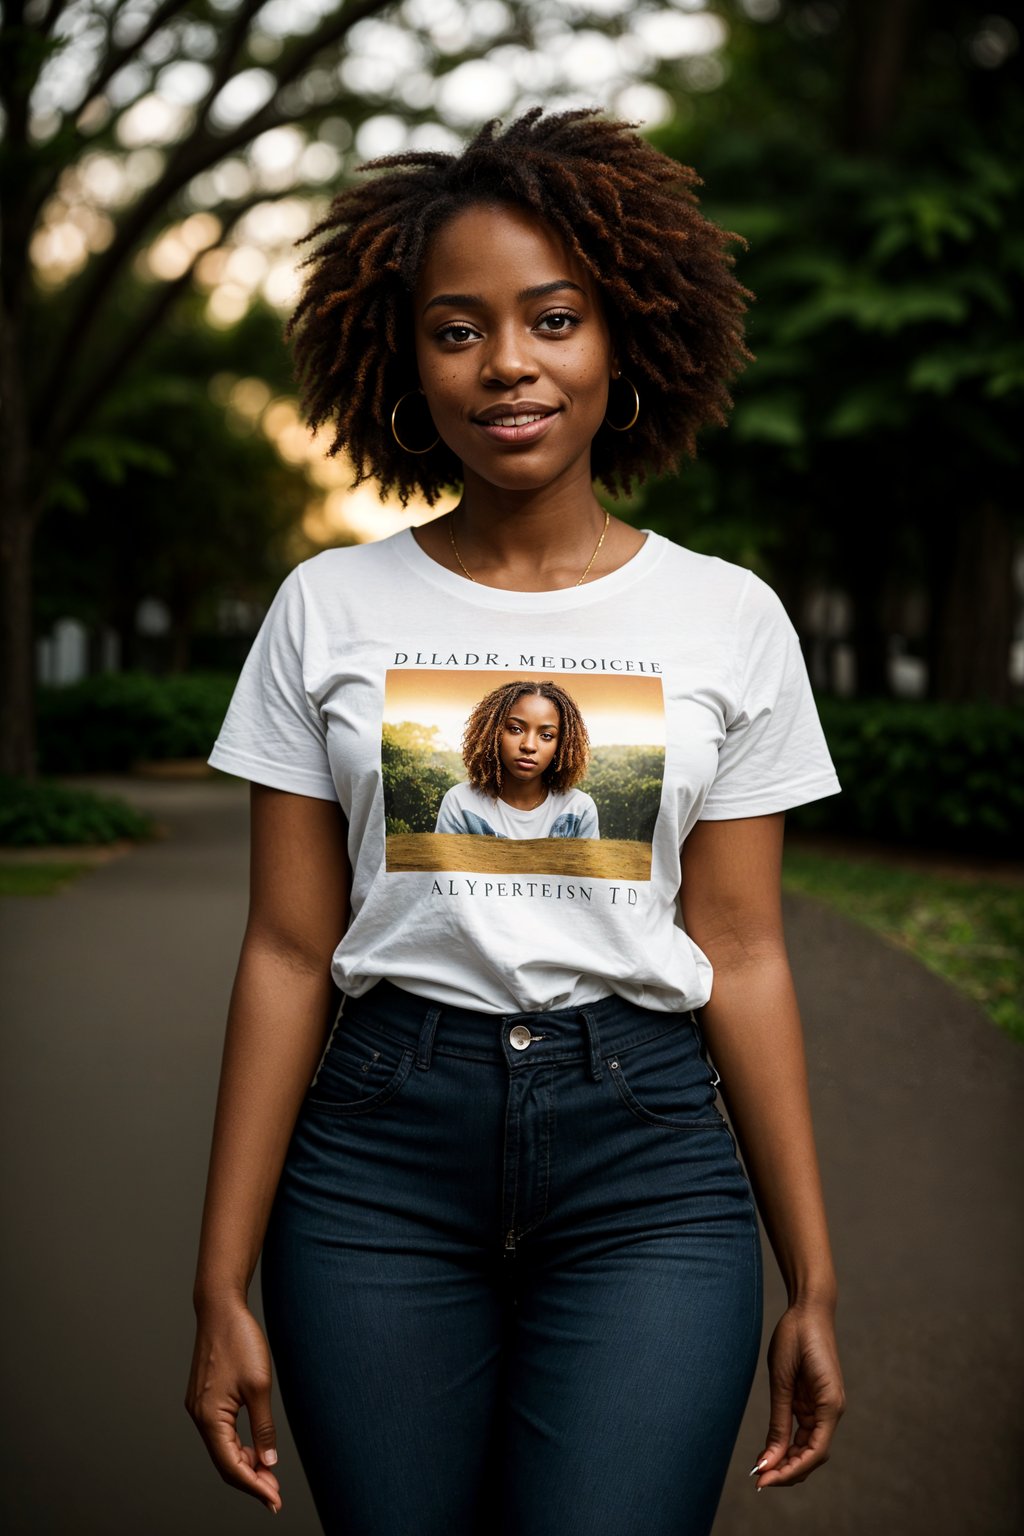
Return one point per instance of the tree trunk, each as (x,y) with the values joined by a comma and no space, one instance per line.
(881,33)
(972,608)
(17,526)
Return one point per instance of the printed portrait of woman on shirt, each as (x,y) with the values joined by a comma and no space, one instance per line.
(526,748)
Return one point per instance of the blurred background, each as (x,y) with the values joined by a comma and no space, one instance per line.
(160,159)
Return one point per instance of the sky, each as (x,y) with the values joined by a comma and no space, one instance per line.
(618,710)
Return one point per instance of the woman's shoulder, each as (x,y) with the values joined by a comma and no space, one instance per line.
(572,796)
(723,590)
(702,569)
(464,792)
(351,566)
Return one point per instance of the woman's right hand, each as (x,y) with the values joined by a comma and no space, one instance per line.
(231,1367)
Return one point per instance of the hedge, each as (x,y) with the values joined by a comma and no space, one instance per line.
(39,814)
(942,775)
(110,722)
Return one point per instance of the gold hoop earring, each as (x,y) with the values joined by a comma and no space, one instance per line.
(636,408)
(404,446)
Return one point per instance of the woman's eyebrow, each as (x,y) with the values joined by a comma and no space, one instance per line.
(467,300)
(545,725)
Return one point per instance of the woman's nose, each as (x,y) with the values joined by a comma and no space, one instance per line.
(507,360)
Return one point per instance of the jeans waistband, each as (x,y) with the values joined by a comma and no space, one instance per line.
(590,1032)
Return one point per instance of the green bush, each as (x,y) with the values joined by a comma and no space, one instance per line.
(107,723)
(625,783)
(945,775)
(32,815)
(414,786)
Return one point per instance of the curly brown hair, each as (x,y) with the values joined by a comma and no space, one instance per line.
(481,740)
(628,212)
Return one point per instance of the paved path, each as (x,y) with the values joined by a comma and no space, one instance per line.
(115,993)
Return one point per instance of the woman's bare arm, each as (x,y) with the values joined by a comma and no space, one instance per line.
(731,905)
(279,1014)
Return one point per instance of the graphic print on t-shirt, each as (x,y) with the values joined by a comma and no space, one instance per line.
(522,772)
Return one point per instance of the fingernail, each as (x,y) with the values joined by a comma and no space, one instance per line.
(270,1457)
(758,1466)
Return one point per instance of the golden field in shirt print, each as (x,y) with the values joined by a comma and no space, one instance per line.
(425,714)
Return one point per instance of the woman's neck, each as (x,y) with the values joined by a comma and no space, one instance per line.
(528,540)
(523,797)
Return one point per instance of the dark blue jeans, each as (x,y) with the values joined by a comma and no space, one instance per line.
(512,1277)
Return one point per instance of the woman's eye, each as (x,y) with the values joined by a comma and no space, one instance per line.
(560,322)
(456,333)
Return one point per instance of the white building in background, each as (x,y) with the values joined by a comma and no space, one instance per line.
(62,656)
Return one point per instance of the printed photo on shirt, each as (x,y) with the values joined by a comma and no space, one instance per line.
(530,773)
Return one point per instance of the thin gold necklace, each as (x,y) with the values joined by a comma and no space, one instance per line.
(586,573)
(536,807)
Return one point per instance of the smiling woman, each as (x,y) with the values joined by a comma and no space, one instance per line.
(511,1267)
(509,364)
(621,224)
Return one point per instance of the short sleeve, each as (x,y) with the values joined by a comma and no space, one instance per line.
(272,732)
(774,755)
(588,818)
(449,818)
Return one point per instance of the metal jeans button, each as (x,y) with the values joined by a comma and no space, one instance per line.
(519,1036)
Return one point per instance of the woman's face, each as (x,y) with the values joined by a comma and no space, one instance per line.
(529,737)
(513,348)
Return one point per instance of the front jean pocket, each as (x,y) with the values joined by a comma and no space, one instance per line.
(666,1081)
(362,1070)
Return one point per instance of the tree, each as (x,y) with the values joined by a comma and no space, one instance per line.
(71,77)
(166,496)
(80,82)
(873,157)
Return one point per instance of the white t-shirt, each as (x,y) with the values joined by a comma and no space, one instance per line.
(568,814)
(690,680)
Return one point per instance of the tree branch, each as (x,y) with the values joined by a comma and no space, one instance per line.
(235,38)
(191,156)
(117,56)
(53,14)
(95,389)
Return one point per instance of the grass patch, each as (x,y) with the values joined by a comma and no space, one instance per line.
(38,879)
(968,931)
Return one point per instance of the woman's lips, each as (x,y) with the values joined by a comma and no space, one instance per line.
(529,432)
(525,762)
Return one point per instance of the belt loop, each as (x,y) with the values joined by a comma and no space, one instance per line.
(595,1044)
(426,1041)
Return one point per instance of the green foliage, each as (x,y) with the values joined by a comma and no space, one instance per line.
(885,253)
(415,776)
(970,931)
(625,784)
(164,495)
(942,775)
(117,719)
(32,815)
(39,879)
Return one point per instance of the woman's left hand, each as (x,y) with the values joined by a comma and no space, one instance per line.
(806,1386)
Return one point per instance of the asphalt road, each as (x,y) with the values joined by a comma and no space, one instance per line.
(114,995)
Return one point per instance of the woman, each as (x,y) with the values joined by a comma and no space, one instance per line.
(511,1271)
(525,748)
